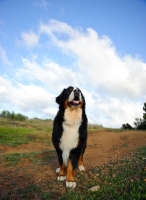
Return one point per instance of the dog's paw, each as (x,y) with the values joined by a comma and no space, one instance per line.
(61,178)
(81,168)
(58,170)
(70,184)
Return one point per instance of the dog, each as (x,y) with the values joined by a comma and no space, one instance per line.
(69,135)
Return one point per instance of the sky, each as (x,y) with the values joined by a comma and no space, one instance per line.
(98,46)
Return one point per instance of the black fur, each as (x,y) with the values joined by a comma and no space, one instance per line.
(58,130)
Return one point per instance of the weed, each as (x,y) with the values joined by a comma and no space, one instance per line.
(48,155)
(124,179)
(13,159)
(47,196)
(35,157)
(14,136)
(117,180)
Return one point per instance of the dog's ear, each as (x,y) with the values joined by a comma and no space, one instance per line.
(83,100)
(58,99)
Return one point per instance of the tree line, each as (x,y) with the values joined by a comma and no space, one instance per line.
(140,123)
(5,114)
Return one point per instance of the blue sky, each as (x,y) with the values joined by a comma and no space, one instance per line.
(98,45)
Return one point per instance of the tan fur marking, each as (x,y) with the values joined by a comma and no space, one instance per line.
(70,172)
(73,116)
(81,105)
(80,162)
(62,170)
(66,104)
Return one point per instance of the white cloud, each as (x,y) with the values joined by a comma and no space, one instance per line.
(32,97)
(5,88)
(114,86)
(107,110)
(120,81)
(27,98)
(41,3)
(98,60)
(110,111)
(48,73)
(30,39)
(3,56)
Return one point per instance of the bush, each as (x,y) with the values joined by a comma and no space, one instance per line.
(139,123)
(126,126)
(5,114)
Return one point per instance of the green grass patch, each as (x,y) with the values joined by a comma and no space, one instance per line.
(96,128)
(14,136)
(124,179)
(115,130)
(47,156)
(41,158)
(47,196)
(31,190)
(14,133)
(17,133)
(13,159)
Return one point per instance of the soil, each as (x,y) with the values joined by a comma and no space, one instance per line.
(102,148)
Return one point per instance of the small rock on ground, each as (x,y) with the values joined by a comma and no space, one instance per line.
(94,188)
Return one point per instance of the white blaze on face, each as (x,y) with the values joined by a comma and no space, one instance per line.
(72,96)
(80,97)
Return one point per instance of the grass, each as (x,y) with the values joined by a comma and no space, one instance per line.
(14,134)
(17,133)
(34,157)
(13,159)
(95,128)
(124,179)
(31,190)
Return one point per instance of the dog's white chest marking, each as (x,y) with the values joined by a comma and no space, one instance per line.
(70,136)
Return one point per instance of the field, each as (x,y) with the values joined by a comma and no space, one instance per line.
(115,163)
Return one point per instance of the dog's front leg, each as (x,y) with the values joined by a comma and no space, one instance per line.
(70,175)
(62,173)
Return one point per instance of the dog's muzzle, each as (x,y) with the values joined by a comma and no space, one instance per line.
(75,98)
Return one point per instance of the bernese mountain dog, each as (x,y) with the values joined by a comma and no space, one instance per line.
(69,134)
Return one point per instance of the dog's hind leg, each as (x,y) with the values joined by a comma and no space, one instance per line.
(62,169)
(80,163)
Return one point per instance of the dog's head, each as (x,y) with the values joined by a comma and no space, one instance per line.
(71,97)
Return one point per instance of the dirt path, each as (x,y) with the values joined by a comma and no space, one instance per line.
(102,147)
(106,146)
